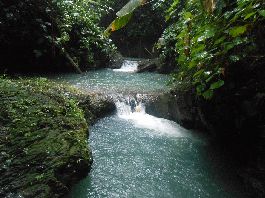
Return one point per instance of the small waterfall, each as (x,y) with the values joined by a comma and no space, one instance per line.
(130,104)
(128,66)
(141,119)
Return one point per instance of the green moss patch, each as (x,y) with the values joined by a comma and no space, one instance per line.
(43,138)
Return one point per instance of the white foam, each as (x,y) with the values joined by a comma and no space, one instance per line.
(128,66)
(141,119)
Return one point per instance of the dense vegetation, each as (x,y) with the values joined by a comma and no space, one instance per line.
(210,37)
(48,35)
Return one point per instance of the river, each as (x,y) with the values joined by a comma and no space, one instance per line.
(139,155)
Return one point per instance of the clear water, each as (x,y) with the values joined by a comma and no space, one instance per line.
(139,155)
(109,81)
(132,159)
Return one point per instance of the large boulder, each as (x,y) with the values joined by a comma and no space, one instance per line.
(148,65)
(44,133)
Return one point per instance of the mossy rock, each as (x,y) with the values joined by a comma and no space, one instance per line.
(43,137)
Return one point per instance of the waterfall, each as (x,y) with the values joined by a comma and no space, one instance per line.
(141,119)
(128,66)
(125,108)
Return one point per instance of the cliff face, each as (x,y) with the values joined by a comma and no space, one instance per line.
(44,132)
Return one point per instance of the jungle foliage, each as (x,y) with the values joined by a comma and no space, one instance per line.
(210,37)
(51,33)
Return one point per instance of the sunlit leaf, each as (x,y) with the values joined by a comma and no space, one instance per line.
(120,22)
(208,33)
(130,7)
(117,24)
(124,16)
(187,15)
(249,15)
(234,58)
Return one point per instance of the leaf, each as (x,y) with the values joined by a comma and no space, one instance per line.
(198,48)
(238,30)
(208,94)
(200,88)
(117,24)
(124,16)
(207,33)
(171,10)
(187,15)
(198,73)
(120,22)
(262,12)
(220,40)
(217,84)
(130,7)
(228,46)
(249,15)
(192,64)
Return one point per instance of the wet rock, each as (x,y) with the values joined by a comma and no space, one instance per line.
(177,107)
(148,65)
(95,106)
(116,61)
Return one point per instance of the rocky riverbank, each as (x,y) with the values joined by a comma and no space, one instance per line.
(44,132)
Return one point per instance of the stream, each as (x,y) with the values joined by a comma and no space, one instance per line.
(139,155)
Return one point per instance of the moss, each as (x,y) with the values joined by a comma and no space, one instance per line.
(43,140)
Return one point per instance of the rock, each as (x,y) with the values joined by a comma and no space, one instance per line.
(177,107)
(116,61)
(43,136)
(148,65)
(95,106)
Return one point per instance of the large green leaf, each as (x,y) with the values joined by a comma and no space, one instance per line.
(118,23)
(124,16)
(130,7)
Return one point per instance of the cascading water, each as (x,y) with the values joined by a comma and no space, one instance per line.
(139,155)
(128,66)
(141,119)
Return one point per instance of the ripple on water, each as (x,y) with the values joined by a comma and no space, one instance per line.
(134,161)
(108,81)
